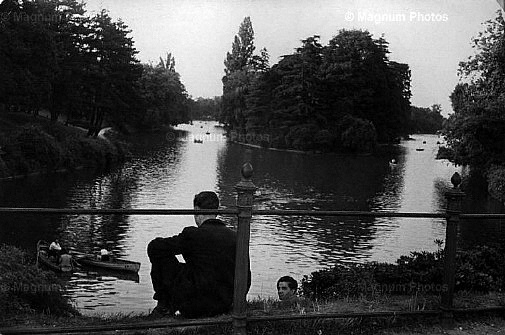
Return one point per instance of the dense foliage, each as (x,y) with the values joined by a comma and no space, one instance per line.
(480,269)
(345,96)
(56,58)
(426,120)
(38,145)
(163,95)
(26,289)
(205,108)
(475,131)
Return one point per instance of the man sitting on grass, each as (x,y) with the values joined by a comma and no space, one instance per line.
(203,286)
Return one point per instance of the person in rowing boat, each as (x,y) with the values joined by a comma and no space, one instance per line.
(104,255)
(203,285)
(55,250)
(65,261)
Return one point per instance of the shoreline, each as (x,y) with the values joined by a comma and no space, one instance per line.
(256,146)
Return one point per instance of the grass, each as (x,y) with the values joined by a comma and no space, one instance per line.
(271,307)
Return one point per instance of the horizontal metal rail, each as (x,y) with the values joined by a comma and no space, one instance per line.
(171,323)
(92,211)
(290,212)
(265,212)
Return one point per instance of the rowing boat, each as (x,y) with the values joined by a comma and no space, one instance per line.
(44,259)
(112,264)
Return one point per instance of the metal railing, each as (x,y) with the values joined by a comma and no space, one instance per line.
(244,212)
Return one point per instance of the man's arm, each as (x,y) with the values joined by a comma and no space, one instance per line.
(165,246)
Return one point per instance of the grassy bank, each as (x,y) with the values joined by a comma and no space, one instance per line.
(31,145)
(471,323)
(36,299)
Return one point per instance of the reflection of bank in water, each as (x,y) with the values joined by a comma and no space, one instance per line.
(107,275)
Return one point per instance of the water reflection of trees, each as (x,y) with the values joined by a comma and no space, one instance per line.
(477,200)
(314,182)
(91,232)
(117,189)
(24,230)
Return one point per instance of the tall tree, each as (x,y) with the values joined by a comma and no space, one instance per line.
(425,120)
(165,101)
(363,82)
(112,72)
(475,130)
(241,66)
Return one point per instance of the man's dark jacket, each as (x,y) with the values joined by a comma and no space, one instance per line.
(204,285)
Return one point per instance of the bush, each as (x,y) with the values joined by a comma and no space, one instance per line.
(496,182)
(27,289)
(445,153)
(481,269)
(40,146)
(301,137)
(357,135)
(33,149)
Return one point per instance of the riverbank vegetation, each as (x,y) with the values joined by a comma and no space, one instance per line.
(474,132)
(205,108)
(31,144)
(424,120)
(413,283)
(26,289)
(479,269)
(83,70)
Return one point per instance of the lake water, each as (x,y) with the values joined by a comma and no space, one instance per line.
(167,170)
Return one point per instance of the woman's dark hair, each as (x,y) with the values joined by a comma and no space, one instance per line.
(292,283)
(206,200)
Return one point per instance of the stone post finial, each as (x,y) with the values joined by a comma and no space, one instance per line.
(456,180)
(247,171)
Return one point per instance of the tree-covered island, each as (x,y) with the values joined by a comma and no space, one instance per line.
(346,96)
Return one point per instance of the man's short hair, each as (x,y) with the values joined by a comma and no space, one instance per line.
(206,200)
(292,283)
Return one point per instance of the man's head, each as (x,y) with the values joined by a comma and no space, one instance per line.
(287,287)
(205,200)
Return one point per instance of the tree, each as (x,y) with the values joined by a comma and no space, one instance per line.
(426,120)
(27,52)
(164,97)
(241,68)
(112,71)
(205,108)
(361,81)
(475,131)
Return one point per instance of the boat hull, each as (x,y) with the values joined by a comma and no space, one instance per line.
(116,265)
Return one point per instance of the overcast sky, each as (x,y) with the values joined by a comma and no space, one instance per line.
(431,36)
